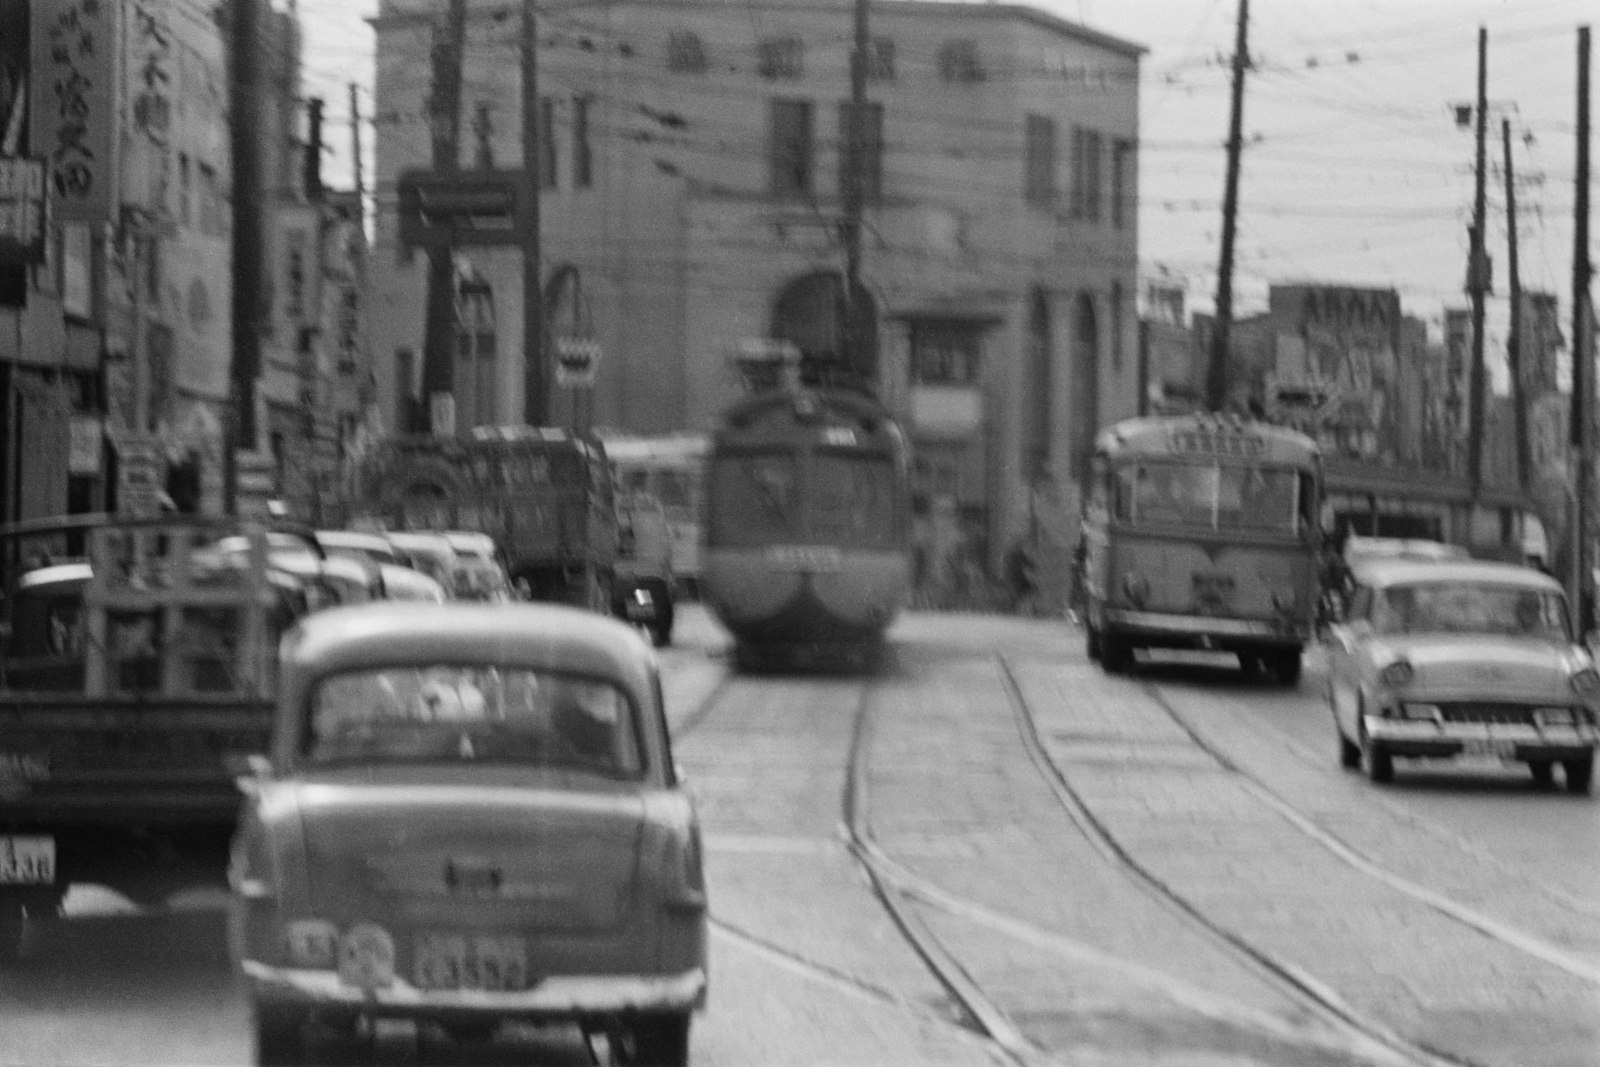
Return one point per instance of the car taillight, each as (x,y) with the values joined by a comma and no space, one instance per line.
(685,888)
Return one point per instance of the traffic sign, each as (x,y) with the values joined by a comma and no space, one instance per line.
(467,208)
(576,358)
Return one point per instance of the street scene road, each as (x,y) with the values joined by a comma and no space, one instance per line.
(990,852)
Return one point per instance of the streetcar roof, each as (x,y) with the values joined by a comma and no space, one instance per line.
(1209,435)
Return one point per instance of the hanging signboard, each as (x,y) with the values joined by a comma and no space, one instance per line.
(73,52)
(139,475)
(83,445)
(467,208)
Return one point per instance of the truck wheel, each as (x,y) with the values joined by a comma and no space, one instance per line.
(658,1041)
(1579,774)
(280,1037)
(1116,655)
(12,926)
(1286,667)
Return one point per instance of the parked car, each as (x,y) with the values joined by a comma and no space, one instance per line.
(1461,658)
(359,543)
(403,583)
(430,553)
(469,814)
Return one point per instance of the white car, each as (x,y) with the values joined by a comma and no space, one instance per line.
(1449,659)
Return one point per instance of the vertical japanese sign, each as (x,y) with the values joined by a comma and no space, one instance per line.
(150,63)
(73,117)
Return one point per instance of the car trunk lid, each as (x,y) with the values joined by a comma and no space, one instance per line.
(548,855)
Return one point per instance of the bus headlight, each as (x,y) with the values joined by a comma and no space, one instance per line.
(312,943)
(1136,587)
(1586,681)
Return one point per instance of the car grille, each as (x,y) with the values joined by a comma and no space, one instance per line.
(1488,714)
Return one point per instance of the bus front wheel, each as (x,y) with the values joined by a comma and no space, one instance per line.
(1116,655)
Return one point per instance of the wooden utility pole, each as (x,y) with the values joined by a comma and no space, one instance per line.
(439,328)
(355,149)
(1582,359)
(245,49)
(1519,379)
(536,375)
(1477,282)
(855,195)
(1221,340)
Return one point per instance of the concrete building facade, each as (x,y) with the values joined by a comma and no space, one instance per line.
(692,200)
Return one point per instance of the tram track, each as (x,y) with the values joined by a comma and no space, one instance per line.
(1501,932)
(1368,1036)
(1329,1024)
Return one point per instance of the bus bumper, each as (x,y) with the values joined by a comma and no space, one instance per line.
(1171,630)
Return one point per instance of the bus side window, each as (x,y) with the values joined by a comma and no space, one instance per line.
(1123,486)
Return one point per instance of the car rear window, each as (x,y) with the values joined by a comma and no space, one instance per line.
(455,713)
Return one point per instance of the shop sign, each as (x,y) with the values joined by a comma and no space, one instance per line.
(83,445)
(139,475)
(74,45)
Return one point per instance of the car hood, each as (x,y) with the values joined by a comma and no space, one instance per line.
(557,855)
(1485,666)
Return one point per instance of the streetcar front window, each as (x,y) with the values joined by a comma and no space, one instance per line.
(854,498)
(756,499)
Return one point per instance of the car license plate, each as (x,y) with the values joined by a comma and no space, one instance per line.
(1495,749)
(27,860)
(461,961)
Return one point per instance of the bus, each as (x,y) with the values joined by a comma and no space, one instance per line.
(670,469)
(1202,532)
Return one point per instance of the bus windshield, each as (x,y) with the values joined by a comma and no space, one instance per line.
(1213,496)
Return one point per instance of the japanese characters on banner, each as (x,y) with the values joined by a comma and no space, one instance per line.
(150,86)
(72,125)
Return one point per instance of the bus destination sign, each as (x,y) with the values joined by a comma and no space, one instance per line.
(1217,441)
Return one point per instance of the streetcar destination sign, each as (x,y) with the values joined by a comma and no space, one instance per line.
(1217,442)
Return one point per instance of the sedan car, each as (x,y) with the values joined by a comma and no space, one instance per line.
(469,815)
(1461,659)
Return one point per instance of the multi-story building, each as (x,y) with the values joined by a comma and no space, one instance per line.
(692,180)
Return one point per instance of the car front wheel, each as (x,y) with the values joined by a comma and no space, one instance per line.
(1380,764)
(658,1041)
(1579,774)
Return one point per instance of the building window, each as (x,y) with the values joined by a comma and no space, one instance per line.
(1085,174)
(871,151)
(1121,153)
(880,60)
(789,147)
(781,57)
(1040,155)
(1118,335)
(686,53)
(945,352)
(213,217)
(548,161)
(582,152)
(959,62)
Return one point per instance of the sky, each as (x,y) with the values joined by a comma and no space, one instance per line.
(1355,171)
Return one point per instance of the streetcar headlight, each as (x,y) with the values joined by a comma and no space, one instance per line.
(1586,681)
(1136,587)
(366,957)
(1397,673)
(312,943)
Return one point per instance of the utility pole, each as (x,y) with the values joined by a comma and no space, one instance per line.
(355,151)
(311,166)
(1477,282)
(1217,374)
(855,195)
(245,48)
(536,379)
(1519,383)
(439,330)
(1582,359)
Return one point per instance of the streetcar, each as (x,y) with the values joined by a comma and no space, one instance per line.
(1202,532)
(807,545)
